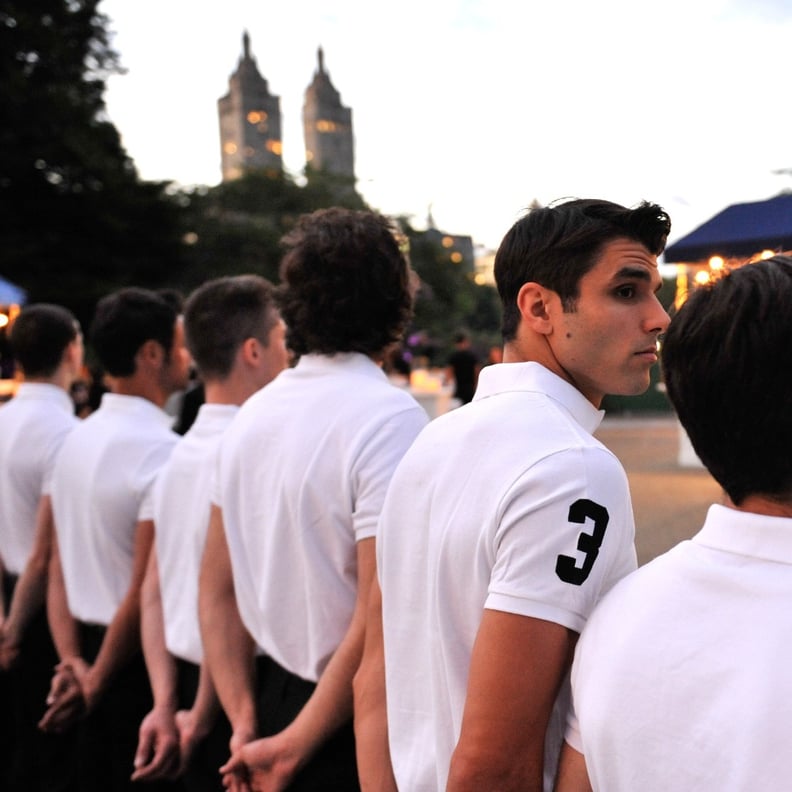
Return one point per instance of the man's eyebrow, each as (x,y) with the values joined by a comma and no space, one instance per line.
(639,273)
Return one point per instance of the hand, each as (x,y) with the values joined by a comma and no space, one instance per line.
(157,754)
(191,732)
(238,781)
(65,701)
(266,765)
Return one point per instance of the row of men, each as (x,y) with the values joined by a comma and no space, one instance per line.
(331,593)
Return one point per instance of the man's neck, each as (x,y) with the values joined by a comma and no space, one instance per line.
(137,386)
(761,504)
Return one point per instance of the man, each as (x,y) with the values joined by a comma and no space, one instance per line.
(103,474)
(680,679)
(489,572)
(463,368)
(236,338)
(302,476)
(47,345)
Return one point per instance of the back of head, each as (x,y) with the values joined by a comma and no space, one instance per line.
(726,362)
(556,245)
(124,321)
(345,283)
(39,337)
(221,314)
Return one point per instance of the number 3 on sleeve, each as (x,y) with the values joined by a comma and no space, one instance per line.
(588,543)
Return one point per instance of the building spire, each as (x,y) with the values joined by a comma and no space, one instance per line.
(246,45)
(320,57)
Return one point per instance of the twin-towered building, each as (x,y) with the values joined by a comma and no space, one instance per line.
(250,123)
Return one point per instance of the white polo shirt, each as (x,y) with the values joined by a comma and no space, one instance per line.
(32,427)
(303,473)
(487,510)
(182,500)
(680,680)
(102,475)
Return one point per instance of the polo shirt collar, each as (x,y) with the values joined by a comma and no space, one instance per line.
(747,534)
(534,377)
(135,406)
(44,391)
(341,361)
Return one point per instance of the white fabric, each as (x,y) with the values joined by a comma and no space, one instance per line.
(32,427)
(680,680)
(182,500)
(303,473)
(103,472)
(476,517)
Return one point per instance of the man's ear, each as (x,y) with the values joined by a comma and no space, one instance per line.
(533,301)
(151,353)
(250,351)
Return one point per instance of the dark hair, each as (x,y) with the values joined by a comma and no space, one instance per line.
(124,321)
(726,362)
(39,337)
(345,283)
(557,245)
(223,313)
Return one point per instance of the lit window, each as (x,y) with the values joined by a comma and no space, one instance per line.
(325,126)
(256,116)
(309,155)
(3,320)
(456,257)
(230,148)
(716,263)
(275,146)
(448,242)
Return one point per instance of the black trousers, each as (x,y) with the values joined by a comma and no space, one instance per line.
(31,759)
(108,736)
(203,772)
(280,697)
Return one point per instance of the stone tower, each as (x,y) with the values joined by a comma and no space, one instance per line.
(250,121)
(327,126)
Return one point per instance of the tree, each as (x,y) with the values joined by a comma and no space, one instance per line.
(75,220)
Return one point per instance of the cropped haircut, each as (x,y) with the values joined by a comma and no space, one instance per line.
(221,315)
(124,321)
(345,283)
(556,245)
(726,362)
(39,337)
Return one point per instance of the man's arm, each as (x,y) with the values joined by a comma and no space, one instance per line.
(157,754)
(65,700)
(572,772)
(371,717)
(272,762)
(31,589)
(122,639)
(516,670)
(195,723)
(229,651)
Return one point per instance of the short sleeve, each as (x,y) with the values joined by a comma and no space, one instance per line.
(564,535)
(376,464)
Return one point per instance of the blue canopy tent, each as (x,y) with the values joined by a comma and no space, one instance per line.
(740,230)
(11,294)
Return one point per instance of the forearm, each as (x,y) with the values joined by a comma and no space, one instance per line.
(121,641)
(160,664)
(371,723)
(229,650)
(63,626)
(31,589)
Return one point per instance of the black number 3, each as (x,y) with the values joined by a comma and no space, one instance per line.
(566,566)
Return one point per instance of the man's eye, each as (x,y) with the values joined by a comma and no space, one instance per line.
(626,291)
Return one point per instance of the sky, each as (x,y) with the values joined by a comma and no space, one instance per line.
(476,108)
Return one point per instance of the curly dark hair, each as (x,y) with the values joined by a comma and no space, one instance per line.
(345,283)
